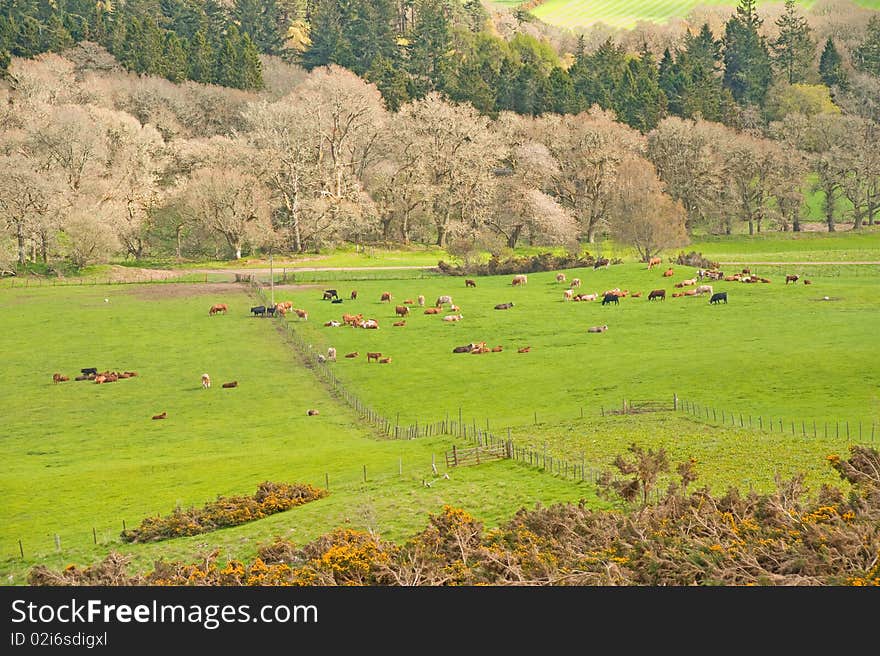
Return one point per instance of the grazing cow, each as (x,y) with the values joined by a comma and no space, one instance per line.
(497,349)
(385,360)
(354,294)
(470,283)
(330,294)
(302,314)
(669,273)
(373,355)
(789,279)
(421,300)
(331,354)
(524,349)
(433,310)
(270,311)
(654,261)
(519,279)
(808,282)
(401,310)
(386,297)
(597,329)
(464,349)
(575,282)
(443,299)
(704,289)
(504,306)
(206,381)
(567,295)
(601,262)
(311,413)
(58,378)
(353,354)
(717,297)
(560,277)
(657,293)
(400,323)
(333,324)
(230,385)
(217,308)
(160,416)
(259,311)
(611,298)
(453,317)
(89,371)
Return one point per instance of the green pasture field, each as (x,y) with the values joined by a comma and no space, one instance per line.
(773,349)
(627,13)
(79,456)
(849,246)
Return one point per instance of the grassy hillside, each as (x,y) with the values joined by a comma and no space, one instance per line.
(626,13)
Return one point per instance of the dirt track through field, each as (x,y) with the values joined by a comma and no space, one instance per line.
(804,263)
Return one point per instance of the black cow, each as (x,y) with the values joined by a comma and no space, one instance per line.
(601,262)
(657,293)
(463,349)
(717,297)
(610,298)
(259,311)
(271,310)
(330,294)
(504,306)
(89,370)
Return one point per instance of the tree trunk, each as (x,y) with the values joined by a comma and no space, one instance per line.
(441,236)
(796,221)
(44,246)
(179,231)
(751,226)
(19,234)
(858,217)
(514,236)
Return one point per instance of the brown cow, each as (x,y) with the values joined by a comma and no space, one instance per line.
(302,314)
(668,273)
(397,324)
(401,310)
(385,360)
(524,349)
(354,294)
(386,297)
(575,282)
(58,378)
(433,310)
(519,279)
(160,416)
(657,293)
(206,381)
(789,279)
(311,413)
(808,282)
(353,354)
(497,349)
(654,261)
(373,356)
(470,283)
(218,308)
(560,277)
(230,385)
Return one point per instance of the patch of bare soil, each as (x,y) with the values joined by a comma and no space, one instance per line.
(183,289)
(133,274)
(823,227)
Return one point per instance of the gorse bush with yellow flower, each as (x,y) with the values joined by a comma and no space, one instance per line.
(686,538)
(270,498)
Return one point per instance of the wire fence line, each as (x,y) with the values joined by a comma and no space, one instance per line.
(31,281)
(856,429)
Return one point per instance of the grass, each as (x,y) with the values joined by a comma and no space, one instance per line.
(627,13)
(774,349)
(850,246)
(81,456)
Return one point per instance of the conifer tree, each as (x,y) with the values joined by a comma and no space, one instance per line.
(747,67)
(831,67)
(794,48)
(866,56)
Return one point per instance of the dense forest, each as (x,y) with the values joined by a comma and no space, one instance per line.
(187,128)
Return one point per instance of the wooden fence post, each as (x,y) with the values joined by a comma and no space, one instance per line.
(94,535)
(454,456)
(20,548)
(365,473)
(674,403)
(326,480)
